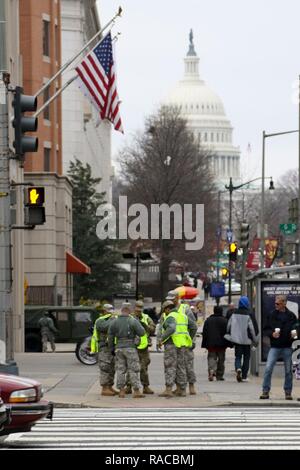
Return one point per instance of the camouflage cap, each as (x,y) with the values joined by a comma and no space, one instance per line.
(172,295)
(167,303)
(108,307)
(126,305)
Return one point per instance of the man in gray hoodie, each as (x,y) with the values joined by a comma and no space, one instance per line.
(241,332)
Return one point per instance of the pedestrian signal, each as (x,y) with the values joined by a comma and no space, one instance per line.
(34,206)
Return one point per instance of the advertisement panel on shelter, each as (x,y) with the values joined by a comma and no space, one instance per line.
(269,290)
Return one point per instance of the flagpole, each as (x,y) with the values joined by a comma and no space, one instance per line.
(298,260)
(59,92)
(69,62)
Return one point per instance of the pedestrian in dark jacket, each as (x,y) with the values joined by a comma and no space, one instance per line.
(280,327)
(213,340)
(241,332)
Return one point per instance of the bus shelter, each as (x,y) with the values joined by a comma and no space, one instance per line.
(262,288)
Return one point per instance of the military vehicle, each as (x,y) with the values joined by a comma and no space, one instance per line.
(73,324)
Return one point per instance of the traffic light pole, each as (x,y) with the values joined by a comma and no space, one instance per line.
(5,288)
(7,363)
(230,228)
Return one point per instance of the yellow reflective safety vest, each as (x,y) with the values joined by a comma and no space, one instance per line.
(95,338)
(181,338)
(144,339)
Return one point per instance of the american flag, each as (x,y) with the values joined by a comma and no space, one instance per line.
(97,79)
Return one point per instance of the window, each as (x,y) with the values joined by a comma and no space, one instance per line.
(46,38)
(47,154)
(46,98)
(212,137)
(205,137)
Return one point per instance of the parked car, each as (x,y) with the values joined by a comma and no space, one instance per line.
(4,415)
(73,324)
(23,397)
(235,287)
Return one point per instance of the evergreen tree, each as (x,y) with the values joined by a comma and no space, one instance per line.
(100,255)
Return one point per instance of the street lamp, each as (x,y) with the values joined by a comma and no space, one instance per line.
(232,188)
(142,255)
(262,219)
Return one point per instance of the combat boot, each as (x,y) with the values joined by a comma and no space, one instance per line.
(115,392)
(128,389)
(181,392)
(107,392)
(192,389)
(137,394)
(122,392)
(177,390)
(167,393)
(147,390)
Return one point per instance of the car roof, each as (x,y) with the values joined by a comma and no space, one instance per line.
(54,308)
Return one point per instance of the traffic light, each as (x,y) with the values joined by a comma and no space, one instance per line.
(244,235)
(224,273)
(233,249)
(22,104)
(34,206)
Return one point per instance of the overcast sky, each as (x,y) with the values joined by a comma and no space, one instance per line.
(249,55)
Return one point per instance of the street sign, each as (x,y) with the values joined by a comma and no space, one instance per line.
(229,235)
(288,229)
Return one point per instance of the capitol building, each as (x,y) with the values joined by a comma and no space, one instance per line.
(205,114)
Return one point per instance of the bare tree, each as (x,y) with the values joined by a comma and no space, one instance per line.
(165,165)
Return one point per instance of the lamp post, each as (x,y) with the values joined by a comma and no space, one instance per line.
(262,218)
(142,255)
(232,188)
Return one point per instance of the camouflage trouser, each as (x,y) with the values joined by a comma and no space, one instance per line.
(144,357)
(48,337)
(189,365)
(216,361)
(174,363)
(106,366)
(127,359)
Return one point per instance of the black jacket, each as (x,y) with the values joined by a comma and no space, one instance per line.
(286,322)
(214,329)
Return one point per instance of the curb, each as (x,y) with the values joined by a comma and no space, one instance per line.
(259,404)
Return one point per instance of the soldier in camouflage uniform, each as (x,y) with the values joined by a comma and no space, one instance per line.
(143,348)
(189,352)
(47,331)
(176,337)
(124,335)
(106,358)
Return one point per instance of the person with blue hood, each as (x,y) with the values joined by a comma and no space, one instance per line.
(242,331)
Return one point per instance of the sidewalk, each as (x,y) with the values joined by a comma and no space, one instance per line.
(67,382)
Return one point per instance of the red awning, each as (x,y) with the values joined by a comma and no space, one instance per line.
(76,266)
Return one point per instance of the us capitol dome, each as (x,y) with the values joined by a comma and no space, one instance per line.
(204,111)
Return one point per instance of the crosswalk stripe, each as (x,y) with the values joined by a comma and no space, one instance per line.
(184,429)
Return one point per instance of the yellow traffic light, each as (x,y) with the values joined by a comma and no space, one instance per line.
(224,272)
(233,247)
